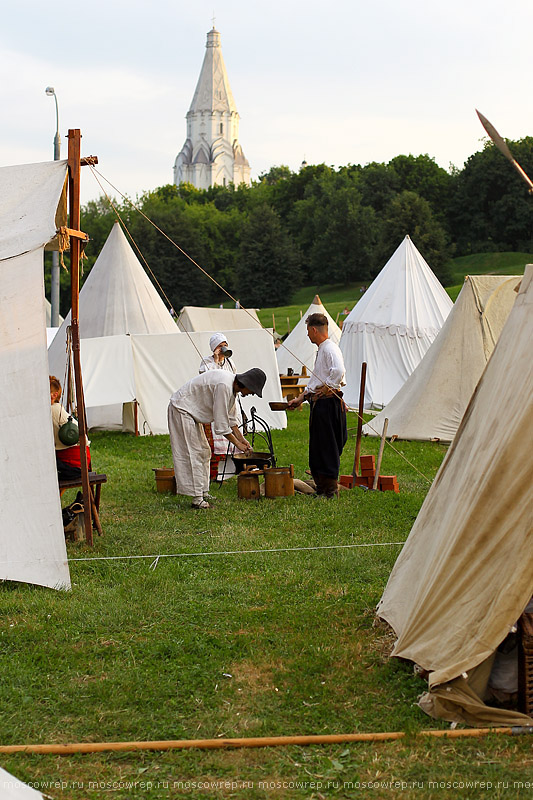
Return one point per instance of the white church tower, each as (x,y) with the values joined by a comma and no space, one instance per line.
(212,154)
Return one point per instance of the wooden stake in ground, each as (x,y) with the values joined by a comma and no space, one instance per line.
(359,420)
(380,454)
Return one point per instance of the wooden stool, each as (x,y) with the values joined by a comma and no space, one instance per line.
(95,479)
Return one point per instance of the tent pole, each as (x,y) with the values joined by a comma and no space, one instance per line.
(359,420)
(380,454)
(74,174)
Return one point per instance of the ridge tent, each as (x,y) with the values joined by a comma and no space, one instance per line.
(392,326)
(117,298)
(465,573)
(32,542)
(199,318)
(433,399)
(298,343)
(149,368)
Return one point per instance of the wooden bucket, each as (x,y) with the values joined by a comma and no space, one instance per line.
(248,485)
(279,481)
(165,480)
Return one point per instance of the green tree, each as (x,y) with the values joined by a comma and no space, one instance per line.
(267,272)
(409,214)
(492,209)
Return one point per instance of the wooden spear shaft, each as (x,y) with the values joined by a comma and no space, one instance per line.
(359,420)
(74,171)
(264,741)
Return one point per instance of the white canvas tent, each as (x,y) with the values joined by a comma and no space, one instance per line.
(392,326)
(432,401)
(50,332)
(465,573)
(149,368)
(12,788)
(198,318)
(297,349)
(117,298)
(32,543)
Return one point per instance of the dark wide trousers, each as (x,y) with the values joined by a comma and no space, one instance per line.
(327,437)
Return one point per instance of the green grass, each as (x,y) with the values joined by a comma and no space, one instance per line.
(247,644)
(486,264)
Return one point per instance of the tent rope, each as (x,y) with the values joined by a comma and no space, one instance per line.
(169,304)
(155,557)
(151,222)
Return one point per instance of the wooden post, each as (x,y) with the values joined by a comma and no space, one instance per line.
(359,420)
(288,325)
(380,454)
(136,417)
(273,322)
(74,175)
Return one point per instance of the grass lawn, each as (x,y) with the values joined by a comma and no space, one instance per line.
(218,644)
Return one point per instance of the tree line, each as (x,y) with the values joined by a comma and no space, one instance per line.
(321,225)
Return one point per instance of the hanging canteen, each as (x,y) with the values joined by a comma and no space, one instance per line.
(68,433)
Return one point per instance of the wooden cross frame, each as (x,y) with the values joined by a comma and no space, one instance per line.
(75,162)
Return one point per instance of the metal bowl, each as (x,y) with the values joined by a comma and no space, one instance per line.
(243,460)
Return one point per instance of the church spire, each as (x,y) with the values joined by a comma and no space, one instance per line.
(212,153)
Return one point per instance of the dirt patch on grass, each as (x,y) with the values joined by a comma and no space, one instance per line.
(255,677)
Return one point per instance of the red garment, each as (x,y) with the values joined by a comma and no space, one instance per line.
(71,456)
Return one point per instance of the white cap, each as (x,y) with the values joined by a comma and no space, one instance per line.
(215,340)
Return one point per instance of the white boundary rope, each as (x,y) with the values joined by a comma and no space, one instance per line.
(237,552)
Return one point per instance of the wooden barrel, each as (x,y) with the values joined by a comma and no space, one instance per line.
(165,480)
(279,481)
(248,486)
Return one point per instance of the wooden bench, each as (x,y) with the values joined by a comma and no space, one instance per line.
(95,480)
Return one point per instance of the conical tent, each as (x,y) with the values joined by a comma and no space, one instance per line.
(118,296)
(465,573)
(392,326)
(297,349)
(32,542)
(432,401)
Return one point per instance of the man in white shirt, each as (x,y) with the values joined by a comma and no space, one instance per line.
(209,397)
(327,420)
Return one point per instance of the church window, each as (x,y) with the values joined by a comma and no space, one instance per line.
(221,127)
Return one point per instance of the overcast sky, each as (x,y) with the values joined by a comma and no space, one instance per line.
(339,82)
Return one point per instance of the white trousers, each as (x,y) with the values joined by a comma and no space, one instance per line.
(190,452)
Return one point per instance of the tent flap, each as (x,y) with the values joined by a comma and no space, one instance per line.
(29,199)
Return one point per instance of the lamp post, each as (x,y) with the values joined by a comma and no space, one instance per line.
(54,288)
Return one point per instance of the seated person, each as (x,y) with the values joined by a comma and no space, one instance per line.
(67,457)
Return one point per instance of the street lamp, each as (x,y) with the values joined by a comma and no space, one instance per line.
(54,288)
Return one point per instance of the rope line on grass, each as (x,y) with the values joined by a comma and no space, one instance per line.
(204,271)
(156,558)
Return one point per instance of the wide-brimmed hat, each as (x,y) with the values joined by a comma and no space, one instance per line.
(253,379)
(215,340)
